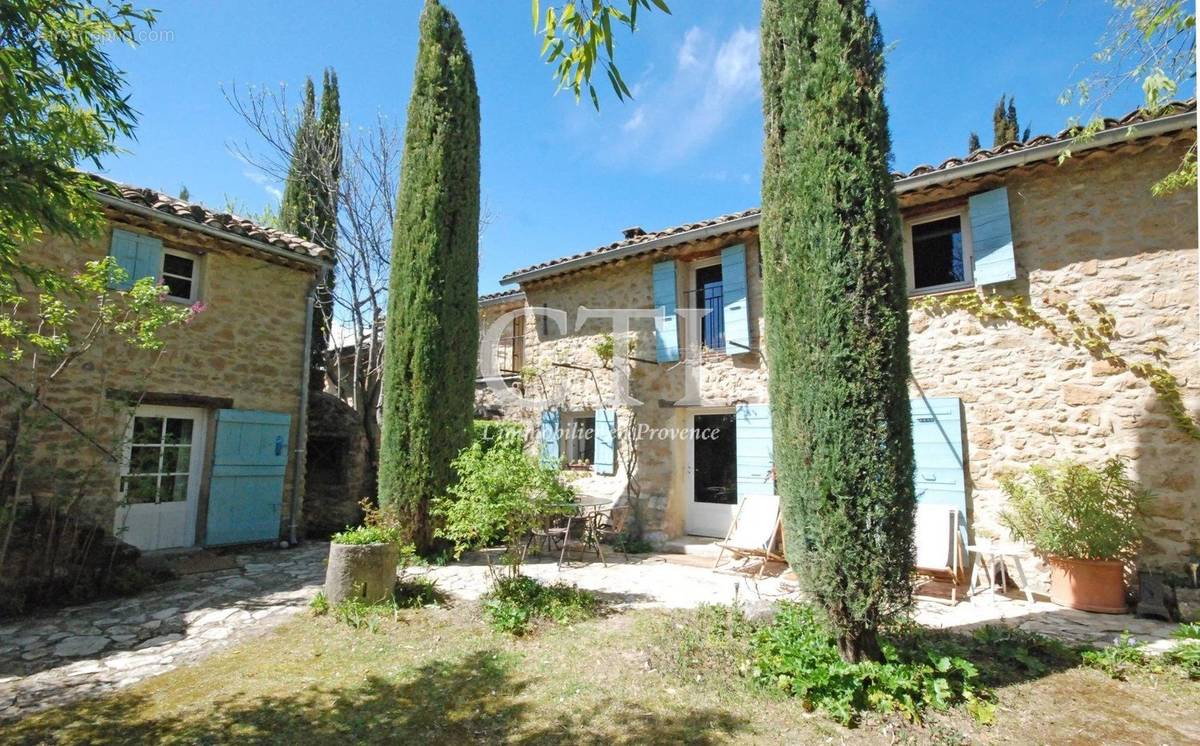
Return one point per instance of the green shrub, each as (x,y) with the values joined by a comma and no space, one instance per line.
(1119,660)
(409,593)
(516,604)
(1187,657)
(500,495)
(798,655)
(498,433)
(1068,509)
(1187,631)
(367,535)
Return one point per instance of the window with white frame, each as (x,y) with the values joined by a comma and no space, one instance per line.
(158,465)
(181,274)
(937,252)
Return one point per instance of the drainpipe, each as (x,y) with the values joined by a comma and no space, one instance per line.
(302,436)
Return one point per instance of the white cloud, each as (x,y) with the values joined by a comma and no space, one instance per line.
(715,79)
(265,182)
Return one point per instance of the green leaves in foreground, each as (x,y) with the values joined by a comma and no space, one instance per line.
(516,604)
(577,38)
(798,655)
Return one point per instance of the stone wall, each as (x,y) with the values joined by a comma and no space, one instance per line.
(244,350)
(1088,230)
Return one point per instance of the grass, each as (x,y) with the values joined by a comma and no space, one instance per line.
(440,675)
(517,605)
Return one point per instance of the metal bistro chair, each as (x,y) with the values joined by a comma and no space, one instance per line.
(582,522)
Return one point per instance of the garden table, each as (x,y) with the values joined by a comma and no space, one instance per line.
(586,510)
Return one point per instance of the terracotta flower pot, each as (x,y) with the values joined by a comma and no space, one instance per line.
(1088,585)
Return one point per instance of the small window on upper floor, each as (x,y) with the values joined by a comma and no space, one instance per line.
(937,253)
(180,275)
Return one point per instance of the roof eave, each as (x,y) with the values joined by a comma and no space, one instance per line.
(1105,138)
(148,212)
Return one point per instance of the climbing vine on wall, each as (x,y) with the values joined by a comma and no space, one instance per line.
(1092,337)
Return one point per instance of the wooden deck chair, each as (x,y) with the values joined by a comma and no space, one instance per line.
(752,534)
(939,549)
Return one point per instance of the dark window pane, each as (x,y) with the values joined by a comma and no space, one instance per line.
(715,459)
(141,489)
(175,459)
(179,431)
(582,439)
(710,293)
(173,489)
(177,287)
(144,459)
(147,429)
(178,265)
(938,253)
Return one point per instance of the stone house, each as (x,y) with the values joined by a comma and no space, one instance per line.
(1084,242)
(198,446)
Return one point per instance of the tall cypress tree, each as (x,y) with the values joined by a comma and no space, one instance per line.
(296,207)
(836,313)
(432,322)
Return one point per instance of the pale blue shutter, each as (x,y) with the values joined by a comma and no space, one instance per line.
(550,438)
(991,237)
(666,339)
(755,451)
(140,256)
(737,307)
(250,457)
(605,459)
(938,473)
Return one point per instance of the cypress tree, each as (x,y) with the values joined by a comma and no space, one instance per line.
(432,320)
(973,142)
(296,207)
(836,313)
(1005,127)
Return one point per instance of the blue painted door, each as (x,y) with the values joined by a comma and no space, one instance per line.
(939,476)
(250,456)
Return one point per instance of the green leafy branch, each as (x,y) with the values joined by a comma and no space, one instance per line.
(1092,337)
(577,37)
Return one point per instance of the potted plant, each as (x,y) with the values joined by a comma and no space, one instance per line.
(1086,523)
(362,563)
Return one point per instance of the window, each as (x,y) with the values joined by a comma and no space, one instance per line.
(160,457)
(710,296)
(580,437)
(938,253)
(179,275)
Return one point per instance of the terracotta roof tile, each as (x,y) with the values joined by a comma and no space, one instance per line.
(1134,117)
(222,221)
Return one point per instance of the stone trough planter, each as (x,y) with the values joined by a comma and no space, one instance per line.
(366,571)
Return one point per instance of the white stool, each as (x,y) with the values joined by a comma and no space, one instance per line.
(987,556)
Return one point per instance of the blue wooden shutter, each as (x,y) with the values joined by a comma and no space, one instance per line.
(737,307)
(939,476)
(140,256)
(755,451)
(250,456)
(605,460)
(550,438)
(666,340)
(991,237)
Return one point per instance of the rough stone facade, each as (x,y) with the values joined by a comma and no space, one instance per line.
(1086,231)
(244,350)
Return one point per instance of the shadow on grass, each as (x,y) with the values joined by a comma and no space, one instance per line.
(479,698)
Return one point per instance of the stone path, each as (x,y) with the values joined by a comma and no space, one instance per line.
(662,581)
(87,650)
(55,658)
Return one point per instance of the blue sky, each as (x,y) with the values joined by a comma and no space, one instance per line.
(558,177)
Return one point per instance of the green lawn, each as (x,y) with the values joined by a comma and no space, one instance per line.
(441,676)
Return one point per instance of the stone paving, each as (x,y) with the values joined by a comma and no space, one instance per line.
(55,658)
(665,581)
(87,650)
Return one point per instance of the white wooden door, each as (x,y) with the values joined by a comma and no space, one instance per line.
(160,477)
(712,473)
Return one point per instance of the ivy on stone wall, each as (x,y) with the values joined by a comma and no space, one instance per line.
(1093,337)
